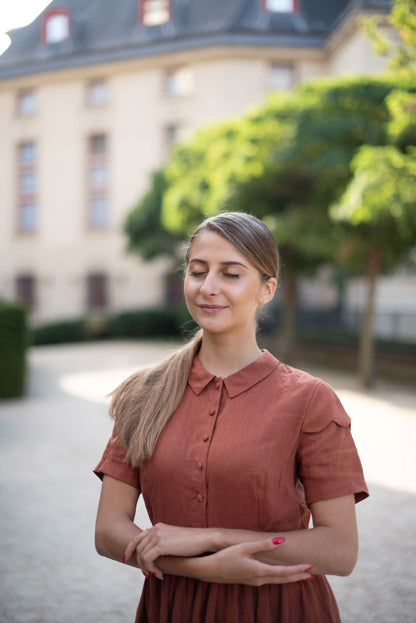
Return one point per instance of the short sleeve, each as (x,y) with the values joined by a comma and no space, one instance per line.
(329,465)
(114,463)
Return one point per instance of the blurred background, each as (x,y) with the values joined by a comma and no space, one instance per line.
(122,125)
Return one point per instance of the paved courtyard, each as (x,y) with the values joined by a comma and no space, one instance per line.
(51,439)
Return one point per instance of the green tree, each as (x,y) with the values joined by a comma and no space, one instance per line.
(378,209)
(146,235)
(399,49)
(286,161)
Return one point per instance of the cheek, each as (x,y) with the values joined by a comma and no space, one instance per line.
(187,289)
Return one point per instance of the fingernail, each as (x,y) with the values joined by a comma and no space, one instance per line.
(311,578)
(278,540)
(124,558)
(309,569)
(146,575)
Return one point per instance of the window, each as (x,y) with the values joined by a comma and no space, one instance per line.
(154,12)
(179,81)
(26,187)
(281,6)
(97,292)
(97,182)
(171,134)
(26,290)
(281,77)
(56,26)
(97,93)
(26,103)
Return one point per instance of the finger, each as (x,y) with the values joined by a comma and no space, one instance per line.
(133,544)
(252,547)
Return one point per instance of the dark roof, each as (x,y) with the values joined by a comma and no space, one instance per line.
(105,30)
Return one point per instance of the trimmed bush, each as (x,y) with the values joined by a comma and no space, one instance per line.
(60,332)
(143,323)
(13,344)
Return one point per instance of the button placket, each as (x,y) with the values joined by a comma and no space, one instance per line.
(206,436)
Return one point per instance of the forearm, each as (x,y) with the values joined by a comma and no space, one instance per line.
(331,546)
(322,547)
(113,536)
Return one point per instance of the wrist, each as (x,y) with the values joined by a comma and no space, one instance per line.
(217,540)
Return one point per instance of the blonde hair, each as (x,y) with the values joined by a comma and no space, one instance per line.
(143,403)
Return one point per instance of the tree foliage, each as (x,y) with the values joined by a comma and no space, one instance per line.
(399,48)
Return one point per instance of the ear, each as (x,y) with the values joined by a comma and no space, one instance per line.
(269,288)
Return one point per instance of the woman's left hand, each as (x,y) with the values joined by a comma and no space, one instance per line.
(167,540)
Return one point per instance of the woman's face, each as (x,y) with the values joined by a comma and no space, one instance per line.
(222,289)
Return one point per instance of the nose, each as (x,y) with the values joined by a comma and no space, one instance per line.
(209,287)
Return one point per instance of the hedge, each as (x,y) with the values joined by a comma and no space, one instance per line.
(172,321)
(13,344)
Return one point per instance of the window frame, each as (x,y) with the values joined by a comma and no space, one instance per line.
(176,75)
(295,9)
(142,13)
(93,84)
(26,289)
(97,291)
(97,159)
(22,96)
(26,198)
(51,14)
(291,72)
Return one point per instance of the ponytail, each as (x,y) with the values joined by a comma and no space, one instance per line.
(144,402)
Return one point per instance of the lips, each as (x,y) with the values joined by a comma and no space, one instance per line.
(211,308)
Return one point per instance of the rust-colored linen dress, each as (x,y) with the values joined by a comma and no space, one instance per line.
(249,451)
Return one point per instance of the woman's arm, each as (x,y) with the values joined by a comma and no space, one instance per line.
(331,546)
(115,529)
(115,526)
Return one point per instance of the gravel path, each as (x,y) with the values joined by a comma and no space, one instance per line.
(51,439)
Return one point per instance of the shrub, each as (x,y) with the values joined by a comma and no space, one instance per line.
(13,344)
(143,323)
(60,332)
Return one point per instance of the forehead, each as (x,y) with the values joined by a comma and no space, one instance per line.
(209,243)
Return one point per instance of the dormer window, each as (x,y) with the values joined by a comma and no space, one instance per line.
(281,6)
(154,12)
(56,26)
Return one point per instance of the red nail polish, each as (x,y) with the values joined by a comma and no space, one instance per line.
(309,569)
(124,558)
(311,578)
(278,540)
(146,575)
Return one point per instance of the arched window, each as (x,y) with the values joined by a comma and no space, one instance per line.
(154,12)
(56,26)
(281,6)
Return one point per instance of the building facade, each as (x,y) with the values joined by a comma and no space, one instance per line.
(93,94)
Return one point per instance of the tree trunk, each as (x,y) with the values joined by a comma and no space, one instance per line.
(366,349)
(288,330)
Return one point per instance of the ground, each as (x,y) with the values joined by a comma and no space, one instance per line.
(51,439)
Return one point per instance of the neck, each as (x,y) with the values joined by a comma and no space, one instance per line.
(223,356)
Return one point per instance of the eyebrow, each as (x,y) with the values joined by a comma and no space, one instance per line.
(229,263)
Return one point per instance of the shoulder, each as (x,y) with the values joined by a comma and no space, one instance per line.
(310,396)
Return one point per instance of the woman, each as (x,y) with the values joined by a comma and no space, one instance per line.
(233,452)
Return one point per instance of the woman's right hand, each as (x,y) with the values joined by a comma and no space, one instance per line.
(166,540)
(236,565)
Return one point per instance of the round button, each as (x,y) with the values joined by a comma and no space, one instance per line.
(199,498)
(199,466)
(205,437)
(212,411)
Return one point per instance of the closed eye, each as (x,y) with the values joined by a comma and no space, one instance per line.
(232,275)
(197,274)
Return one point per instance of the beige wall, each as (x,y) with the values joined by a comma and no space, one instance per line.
(63,250)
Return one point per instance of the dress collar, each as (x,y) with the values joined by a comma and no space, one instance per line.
(236,383)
